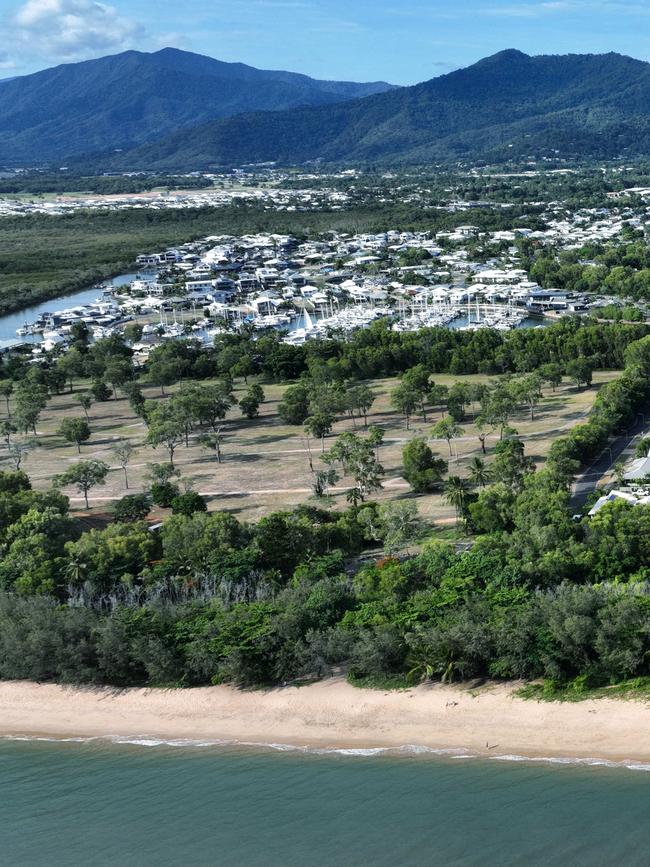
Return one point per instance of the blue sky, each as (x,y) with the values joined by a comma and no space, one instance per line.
(395,40)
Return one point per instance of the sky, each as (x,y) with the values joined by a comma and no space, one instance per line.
(362,40)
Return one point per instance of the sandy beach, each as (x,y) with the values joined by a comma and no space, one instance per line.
(489,720)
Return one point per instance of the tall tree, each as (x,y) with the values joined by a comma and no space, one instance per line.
(250,402)
(294,406)
(498,406)
(376,436)
(72,365)
(17,452)
(85,475)
(214,402)
(405,399)
(552,373)
(528,390)
(6,390)
(123,452)
(362,397)
(319,425)
(31,400)
(357,458)
(580,371)
(400,525)
(166,427)
(456,494)
(7,430)
(213,442)
(417,379)
(85,401)
(447,429)
(75,430)
(479,472)
(118,371)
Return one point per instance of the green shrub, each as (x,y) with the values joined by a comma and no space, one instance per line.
(132,507)
(188,504)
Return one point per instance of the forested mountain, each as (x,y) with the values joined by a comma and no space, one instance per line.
(126,99)
(507,104)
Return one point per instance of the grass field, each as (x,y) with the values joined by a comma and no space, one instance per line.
(265,463)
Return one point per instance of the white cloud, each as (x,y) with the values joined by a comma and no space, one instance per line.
(70,29)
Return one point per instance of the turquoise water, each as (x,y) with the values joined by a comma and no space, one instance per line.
(106,804)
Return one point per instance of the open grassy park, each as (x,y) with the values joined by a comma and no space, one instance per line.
(265,463)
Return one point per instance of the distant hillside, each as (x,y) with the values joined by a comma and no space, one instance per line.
(130,98)
(508,104)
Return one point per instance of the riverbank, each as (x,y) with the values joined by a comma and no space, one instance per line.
(489,720)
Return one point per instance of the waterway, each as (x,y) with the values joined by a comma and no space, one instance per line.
(10,323)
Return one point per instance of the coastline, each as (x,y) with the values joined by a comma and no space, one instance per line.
(485,722)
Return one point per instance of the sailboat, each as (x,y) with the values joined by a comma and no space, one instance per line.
(299,335)
(307,320)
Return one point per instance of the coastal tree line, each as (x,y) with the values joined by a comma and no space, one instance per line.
(210,599)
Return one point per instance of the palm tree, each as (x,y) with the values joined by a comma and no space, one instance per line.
(76,570)
(456,491)
(354,497)
(479,473)
(420,666)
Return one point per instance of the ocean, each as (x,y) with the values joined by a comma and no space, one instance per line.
(97,803)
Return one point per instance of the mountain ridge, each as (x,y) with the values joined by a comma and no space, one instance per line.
(124,100)
(582,105)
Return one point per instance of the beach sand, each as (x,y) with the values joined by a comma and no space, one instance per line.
(488,720)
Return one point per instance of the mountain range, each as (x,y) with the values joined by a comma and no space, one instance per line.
(127,99)
(173,110)
(507,104)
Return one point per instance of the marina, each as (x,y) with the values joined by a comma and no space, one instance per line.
(329,286)
(105,309)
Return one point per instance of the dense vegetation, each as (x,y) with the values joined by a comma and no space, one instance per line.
(504,107)
(208,599)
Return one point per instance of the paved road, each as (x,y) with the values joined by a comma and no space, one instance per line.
(586,482)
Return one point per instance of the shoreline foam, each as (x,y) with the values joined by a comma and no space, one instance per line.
(408,750)
(333,717)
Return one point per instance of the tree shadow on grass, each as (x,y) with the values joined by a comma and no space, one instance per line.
(106,441)
(265,439)
(248,458)
(227,503)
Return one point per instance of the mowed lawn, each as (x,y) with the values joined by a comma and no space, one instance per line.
(266,463)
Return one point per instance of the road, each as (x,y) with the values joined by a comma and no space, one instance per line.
(586,481)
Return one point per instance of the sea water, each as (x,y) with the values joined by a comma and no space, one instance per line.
(99,803)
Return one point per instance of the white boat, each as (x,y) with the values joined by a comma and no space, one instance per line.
(173,331)
(53,337)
